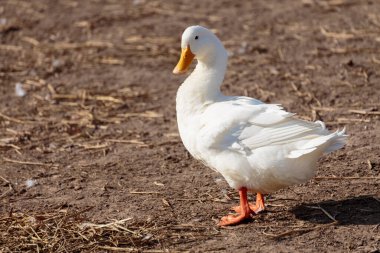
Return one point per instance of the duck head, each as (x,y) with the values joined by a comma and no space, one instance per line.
(200,43)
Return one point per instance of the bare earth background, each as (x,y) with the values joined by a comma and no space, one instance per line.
(96,136)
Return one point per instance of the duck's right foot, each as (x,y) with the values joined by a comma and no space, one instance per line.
(257,208)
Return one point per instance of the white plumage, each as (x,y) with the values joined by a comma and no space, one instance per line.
(252,144)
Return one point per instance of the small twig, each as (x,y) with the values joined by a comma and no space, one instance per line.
(324,211)
(137,192)
(9,146)
(87,97)
(324,109)
(348,120)
(10,48)
(34,231)
(81,235)
(343,36)
(31,41)
(10,185)
(369,164)
(97,146)
(24,162)
(11,119)
(5,193)
(166,203)
(105,225)
(111,61)
(146,114)
(377,61)
(127,141)
(364,112)
(14,147)
(125,229)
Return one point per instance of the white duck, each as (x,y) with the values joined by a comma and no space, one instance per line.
(257,147)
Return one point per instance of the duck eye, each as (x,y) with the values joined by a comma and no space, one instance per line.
(196,37)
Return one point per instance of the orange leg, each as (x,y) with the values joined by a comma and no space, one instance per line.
(242,215)
(260,205)
(257,208)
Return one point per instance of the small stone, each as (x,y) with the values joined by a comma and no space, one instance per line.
(30,183)
(20,92)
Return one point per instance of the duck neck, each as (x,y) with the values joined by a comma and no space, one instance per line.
(203,85)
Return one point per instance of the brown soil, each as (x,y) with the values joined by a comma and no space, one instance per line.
(97,126)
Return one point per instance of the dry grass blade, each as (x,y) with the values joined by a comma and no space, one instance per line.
(88,97)
(24,162)
(375,60)
(10,48)
(96,146)
(342,36)
(324,211)
(10,146)
(10,185)
(31,41)
(324,109)
(146,114)
(112,225)
(137,142)
(369,164)
(11,119)
(105,98)
(111,61)
(349,120)
(364,112)
(138,192)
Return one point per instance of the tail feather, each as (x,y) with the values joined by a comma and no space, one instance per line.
(338,141)
(328,143)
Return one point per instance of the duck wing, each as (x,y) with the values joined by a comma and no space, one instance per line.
(243,125)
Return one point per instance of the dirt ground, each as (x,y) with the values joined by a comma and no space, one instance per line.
(91,160)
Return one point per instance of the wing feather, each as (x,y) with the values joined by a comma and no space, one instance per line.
(248,125)
(287,131)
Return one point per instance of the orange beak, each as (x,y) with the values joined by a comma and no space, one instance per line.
(184,61)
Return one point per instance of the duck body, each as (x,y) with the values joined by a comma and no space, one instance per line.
(252,144)
(255,146)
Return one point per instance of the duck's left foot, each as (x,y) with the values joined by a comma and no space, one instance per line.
(233,220)
(243,214)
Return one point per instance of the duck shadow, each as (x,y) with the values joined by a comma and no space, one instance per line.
(362,210)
